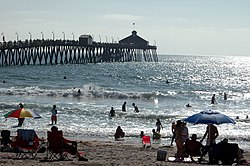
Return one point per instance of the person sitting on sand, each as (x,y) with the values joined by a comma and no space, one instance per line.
(156,135)
(135,108)
(119,133)
(193,147)
(71,149)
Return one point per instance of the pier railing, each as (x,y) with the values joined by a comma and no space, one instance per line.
(43,52)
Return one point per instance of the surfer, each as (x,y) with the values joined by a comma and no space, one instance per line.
(188,105)
(112,112)
(124,106)
(53,116)
(135,108)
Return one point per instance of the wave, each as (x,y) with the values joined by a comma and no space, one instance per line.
(88,91)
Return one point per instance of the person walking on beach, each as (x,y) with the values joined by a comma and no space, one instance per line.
(158,126)
(20,120)
(185,134)
(124,106)
(53,115)
(135,108)
(213,99)
(179,141)
(112,112)
(173,132)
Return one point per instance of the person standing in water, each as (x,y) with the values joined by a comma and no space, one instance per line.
(225,96)
(124,106)
(54,115)
(158,126)
(112,112)
(135,108)
(213,99)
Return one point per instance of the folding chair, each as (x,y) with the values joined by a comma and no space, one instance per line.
(55,147)
(5,141)
(27,144)
(146,142)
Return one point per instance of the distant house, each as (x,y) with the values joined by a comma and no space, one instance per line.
(134,39)
(85,40)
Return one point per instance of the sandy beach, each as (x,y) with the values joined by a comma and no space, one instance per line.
(106,153)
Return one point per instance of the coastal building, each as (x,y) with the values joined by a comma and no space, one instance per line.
(85,40)
(134,40)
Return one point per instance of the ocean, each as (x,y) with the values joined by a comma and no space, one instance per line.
(160,90)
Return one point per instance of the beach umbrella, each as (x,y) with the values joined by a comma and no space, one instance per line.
(209,117)
(22,113)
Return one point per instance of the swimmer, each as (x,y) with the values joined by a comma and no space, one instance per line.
(135,108)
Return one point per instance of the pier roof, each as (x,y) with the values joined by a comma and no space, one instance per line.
(134,39)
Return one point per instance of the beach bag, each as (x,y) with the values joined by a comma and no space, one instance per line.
(161,155)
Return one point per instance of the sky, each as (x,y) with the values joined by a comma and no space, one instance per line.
(177,27)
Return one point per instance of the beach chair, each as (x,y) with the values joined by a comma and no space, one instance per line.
(55,146)
(27,144)
(5,141)
(146,141)
(227,153)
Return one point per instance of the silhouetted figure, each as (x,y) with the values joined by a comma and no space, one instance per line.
(112,112)
(173,132)
(213,99)
(158,126)
(225,96)
(135,108)
(124,106)
(119,133)
(188,105)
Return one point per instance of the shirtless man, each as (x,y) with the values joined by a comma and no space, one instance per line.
(211,133)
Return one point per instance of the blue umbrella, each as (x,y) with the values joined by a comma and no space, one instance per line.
(209,117)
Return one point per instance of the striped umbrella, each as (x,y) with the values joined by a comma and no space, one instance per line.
(22,113)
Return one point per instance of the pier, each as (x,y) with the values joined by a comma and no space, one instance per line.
(52,52)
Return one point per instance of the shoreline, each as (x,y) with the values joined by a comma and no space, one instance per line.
(102,153)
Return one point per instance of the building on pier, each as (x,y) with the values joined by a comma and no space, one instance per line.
(42,52)
(135,40)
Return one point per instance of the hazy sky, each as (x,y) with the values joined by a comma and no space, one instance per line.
(189,27)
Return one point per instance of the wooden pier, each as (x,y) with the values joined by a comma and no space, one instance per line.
(44,52)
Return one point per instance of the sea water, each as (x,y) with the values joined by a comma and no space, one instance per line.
(160,90)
